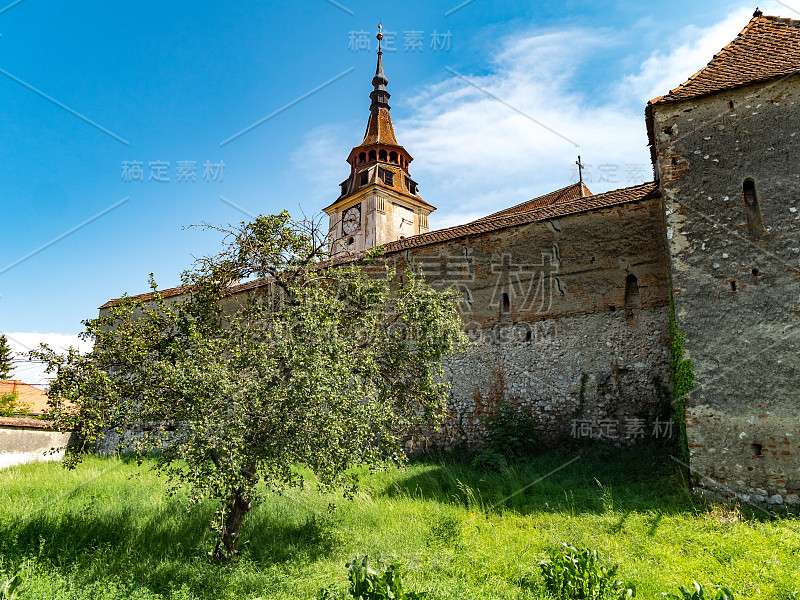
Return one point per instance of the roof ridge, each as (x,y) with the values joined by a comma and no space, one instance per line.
(593,196)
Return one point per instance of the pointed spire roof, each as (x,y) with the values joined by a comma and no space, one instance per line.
(379,127)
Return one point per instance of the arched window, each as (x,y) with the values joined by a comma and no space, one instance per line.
(382,155)
(372,154)
(362,158)
(755,220)
(393,157)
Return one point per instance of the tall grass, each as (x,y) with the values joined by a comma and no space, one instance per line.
(108,531)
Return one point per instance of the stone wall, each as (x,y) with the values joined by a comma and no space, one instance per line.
(584,376)
(735,267)
(568,317)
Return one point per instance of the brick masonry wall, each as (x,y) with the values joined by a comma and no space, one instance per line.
(736,288)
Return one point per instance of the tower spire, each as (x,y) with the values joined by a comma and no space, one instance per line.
(379,202)
(379,96)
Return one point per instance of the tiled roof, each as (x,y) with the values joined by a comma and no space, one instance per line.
(33,397)
(177,291)
(16,422)
(486,225)
(545,213)
(567,194)
(767,48)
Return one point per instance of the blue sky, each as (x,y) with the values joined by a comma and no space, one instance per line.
(86,86)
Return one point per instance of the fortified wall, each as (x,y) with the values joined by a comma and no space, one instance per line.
(567,314)
(730,176)
(566,297)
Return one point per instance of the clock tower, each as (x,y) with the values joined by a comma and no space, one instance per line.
(379,202)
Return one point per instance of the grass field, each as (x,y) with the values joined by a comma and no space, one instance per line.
(106,530)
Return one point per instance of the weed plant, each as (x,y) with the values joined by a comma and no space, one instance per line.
(107,531)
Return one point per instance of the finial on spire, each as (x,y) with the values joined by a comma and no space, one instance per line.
(379,95)
(758,14)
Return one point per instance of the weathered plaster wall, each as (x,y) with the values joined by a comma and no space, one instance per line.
(24,441)
(552,310)
(736,288)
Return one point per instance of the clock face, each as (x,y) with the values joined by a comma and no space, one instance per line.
(351,219)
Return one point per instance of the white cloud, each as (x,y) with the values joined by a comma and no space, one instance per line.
(692,49)
(321,160)
(475,155)
(33,372)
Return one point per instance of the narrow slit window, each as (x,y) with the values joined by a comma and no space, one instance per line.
(506,303)
(632,298)
(755,220)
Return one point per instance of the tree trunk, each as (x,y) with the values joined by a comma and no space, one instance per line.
(235,512)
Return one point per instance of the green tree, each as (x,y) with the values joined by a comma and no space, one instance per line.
(314,362)
(9,404)
(6,358)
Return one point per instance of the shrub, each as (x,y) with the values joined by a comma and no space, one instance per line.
(512,432)
(698,593)
(490,460)
(576,573)
(368,584)
(9,405)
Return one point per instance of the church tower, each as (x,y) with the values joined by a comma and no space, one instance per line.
(379,202)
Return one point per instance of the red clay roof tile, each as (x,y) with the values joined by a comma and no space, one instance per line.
(544,213)
(562,208)
(767,48)
(567,194)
